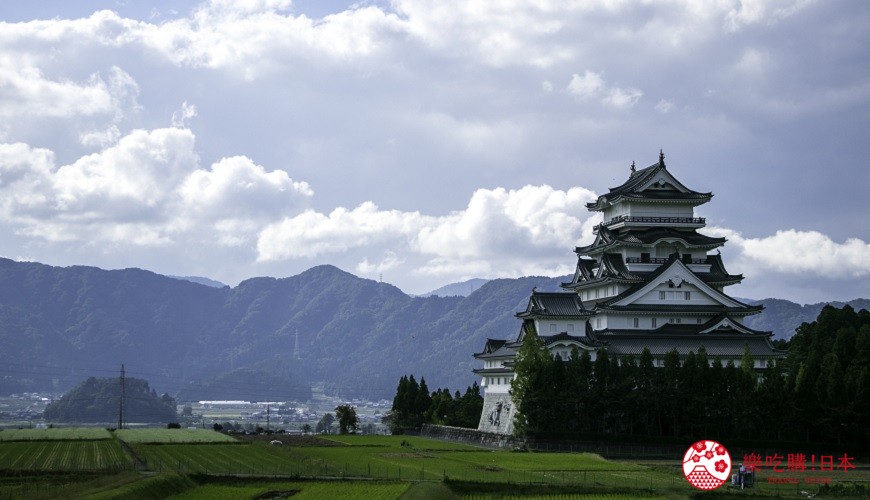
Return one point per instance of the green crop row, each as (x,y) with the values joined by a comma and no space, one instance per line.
(62,455)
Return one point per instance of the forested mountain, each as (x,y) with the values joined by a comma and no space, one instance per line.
(97,400)
(357,336)
(463,288)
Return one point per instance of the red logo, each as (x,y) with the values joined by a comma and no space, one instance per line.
(706,465)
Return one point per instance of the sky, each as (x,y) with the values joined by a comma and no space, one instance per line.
(430,142)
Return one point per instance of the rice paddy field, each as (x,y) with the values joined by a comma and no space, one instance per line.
(182,463)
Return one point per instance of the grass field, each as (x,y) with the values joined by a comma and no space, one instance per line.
(62,455)
(161,436)
(63,434)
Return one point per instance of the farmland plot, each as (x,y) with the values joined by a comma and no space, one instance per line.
(255,459)
(160,436)
(61,434)
(62,456)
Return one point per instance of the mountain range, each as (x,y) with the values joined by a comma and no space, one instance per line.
(354,336)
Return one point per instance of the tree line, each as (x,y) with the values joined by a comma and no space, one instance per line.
(820,392)
(414,406)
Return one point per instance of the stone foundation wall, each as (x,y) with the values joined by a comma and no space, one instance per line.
(498,414)
(472,436)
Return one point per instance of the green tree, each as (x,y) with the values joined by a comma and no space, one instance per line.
(532,361)
(325,423)
(347,419)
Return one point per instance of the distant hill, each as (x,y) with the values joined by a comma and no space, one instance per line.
(461,289)
(201,280)
(97,400)
(782,317)
(356,336)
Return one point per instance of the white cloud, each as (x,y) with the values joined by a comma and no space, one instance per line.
(390,261)
(592,87)
(181,117)
(237,186)
(311,233)
(27,92)
(501,221)
(587,87)
(665,106)
(801,252)
(499,233)
(747,12)
(128,180)
(101,138)
(147,189)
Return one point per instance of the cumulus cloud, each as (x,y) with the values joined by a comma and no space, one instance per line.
(389,261)
(145,189)
(495,235)
(498,221)
(592,87)
(802,252)
(26,91)
(312,233)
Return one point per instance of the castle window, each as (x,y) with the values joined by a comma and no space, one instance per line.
(570,327)
(596,293)
(688,295)
(553,327)
(644,257)
(700,320)
(654,322)
(636,322)
(597,322)
(662,295)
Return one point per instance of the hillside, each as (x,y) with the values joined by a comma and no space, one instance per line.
(463,288)
(96,400)
(358,336)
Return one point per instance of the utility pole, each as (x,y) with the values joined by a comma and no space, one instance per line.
(296,345)
(121,401)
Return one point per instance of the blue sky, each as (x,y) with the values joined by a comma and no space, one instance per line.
(430,142)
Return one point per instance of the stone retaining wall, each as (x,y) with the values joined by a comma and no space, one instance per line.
(498,414)
(472,436)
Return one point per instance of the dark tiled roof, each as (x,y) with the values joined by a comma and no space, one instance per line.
(662,341)
(640,177)
(667,308)
(553,304)
(607,238)
(717,276)
(674,257)
(493,371)
(565,337)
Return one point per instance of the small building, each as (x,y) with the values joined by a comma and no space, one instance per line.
(647,281)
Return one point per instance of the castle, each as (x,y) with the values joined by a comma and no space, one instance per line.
(647,281)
